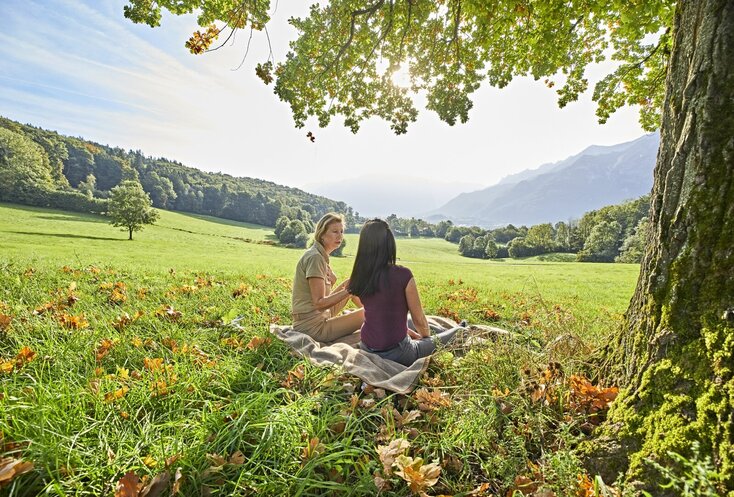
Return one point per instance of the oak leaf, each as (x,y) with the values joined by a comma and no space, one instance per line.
(431,401)
(389,453)
(419,476)
(128,486)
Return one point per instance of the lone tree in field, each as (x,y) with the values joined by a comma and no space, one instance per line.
(674,356)
(130,207)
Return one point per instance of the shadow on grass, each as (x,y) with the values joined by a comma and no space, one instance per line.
(224,221)
(65,235)
(80,219)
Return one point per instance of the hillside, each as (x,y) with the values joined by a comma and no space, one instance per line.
(44,168)
(597,176)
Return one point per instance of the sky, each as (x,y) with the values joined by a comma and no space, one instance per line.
(82,69)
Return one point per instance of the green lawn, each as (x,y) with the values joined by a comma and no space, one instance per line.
(100,375)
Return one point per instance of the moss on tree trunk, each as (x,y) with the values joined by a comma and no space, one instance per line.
(675,353)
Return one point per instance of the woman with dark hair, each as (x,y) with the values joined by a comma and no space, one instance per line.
(315,304)
(388,292)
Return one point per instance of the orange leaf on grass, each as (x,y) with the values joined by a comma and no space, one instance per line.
(241,291)
(257,342)
(153,364)
(431,400)
(104,348)
(419,476)
(110,397)
(5,320)
(125,319)
(168,312)
(73,322)
(128,486)
(524,485)
(10,468)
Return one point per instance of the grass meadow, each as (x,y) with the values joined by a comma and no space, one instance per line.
(121,374)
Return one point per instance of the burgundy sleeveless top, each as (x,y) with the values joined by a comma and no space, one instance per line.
(386,310)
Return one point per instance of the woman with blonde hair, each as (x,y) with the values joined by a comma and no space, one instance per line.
(315,303)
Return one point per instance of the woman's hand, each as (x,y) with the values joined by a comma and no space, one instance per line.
(415,335)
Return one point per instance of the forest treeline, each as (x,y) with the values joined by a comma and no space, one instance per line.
(615,233)
(46,169)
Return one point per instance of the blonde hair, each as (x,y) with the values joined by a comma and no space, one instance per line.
(323,225)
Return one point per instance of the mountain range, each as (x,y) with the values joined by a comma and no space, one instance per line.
(559,191)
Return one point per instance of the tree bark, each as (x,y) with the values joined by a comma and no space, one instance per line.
(675,353)
(130,231)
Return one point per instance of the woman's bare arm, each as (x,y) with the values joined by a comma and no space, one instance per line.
(416,309)
(320,300)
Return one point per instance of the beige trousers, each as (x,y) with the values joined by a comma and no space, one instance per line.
(323,328)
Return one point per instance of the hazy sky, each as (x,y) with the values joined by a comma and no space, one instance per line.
(82,69)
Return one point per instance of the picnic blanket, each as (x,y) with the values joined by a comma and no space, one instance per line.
(346,353)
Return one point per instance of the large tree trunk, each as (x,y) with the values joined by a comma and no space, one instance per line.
(675,354)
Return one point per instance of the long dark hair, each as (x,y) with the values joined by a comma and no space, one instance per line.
(375,253)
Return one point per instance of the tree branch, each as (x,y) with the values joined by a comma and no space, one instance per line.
(369,11)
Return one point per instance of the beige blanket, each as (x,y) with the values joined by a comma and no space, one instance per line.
(346,353)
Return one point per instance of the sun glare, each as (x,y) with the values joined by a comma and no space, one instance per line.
(401,76)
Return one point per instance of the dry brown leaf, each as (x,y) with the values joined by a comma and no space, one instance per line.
(71,322)
(419,476)
(257,342)
(237,459)
(388,453)
(104,348)
(407,417)
(382,484)
(5,320)
(154,364)
(128,486)
(481,491)
(338,427)
(524,485)
(216,459)
(168,312)
(177,480)
(431,401)
(156,486)
(10,468)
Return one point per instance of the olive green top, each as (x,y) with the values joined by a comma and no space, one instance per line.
(314,263)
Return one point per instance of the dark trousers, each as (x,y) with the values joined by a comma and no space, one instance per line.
(408,350)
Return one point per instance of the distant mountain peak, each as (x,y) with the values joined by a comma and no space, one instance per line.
(558,191)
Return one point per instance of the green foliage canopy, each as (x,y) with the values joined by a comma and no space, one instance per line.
(347,52)
(24,167)
(130,207)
